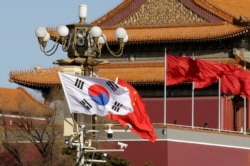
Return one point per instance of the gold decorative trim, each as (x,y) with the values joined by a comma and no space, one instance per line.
(162,12)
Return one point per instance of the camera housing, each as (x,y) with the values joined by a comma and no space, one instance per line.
(122,145)
(110,133)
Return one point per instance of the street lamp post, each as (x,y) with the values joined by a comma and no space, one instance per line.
(83,43)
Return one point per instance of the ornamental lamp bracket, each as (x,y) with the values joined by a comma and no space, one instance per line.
(80,40)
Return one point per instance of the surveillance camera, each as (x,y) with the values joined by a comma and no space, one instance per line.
(69,143)
(66,141)
(110,133)
(82,127)
(122,145)
(128,126)
(104,156)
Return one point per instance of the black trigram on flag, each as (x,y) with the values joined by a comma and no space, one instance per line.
(85,104)
(79,83)
(112,85)
(116,107)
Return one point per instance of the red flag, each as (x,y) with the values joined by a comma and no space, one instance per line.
(230,83)
(180,69)
(236,82)
(209,72)
(202,72)
(244,78)
(138,119)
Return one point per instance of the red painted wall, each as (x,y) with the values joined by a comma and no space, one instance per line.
(140,153)
(179,110)
(164,153)
(196,155)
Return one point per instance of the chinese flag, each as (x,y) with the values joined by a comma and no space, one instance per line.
(209,72)
(138,119)
(236,82)
(180,69)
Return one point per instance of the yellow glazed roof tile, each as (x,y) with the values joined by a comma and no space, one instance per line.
(20,102)
(133,72)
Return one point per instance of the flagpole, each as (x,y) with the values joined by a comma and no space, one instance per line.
(245,114)
(80,158)
(245,104)
(193,86)
(165,94)
(165,89)
(219,105)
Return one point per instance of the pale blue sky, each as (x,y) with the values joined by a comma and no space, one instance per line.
(19,19)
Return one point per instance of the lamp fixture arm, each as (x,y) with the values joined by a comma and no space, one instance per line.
(51,51)
(118,53)
(66,44)
(97,47)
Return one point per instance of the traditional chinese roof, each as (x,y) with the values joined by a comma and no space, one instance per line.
(155,21)
(176,20)
(36,77)
(19,102)
(133,72)
(177,12)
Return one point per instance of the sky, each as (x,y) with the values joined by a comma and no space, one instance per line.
(19,19)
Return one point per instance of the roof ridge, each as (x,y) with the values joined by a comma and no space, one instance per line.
(214,10)
(112,12)
(52,69)
(207,15)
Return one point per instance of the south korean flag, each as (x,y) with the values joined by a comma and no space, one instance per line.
(90,95)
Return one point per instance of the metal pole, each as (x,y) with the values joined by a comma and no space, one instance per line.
(164,132)
(165,89)
(219,105)
(245,100)
(245,115)
(193,86)
(80,122)
(80,146)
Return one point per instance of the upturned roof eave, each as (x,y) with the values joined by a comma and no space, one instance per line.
(146,34)
(142,73)
(227,10)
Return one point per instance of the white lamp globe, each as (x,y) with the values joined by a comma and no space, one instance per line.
(102,39)
(120,33)
(95,31)
(41,32)
(46,37)
(63,31)
(125,39)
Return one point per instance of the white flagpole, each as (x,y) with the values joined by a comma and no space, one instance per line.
(245,115)
(245,109)
(164,132)
(165,89)
(219,105)
(193,85)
